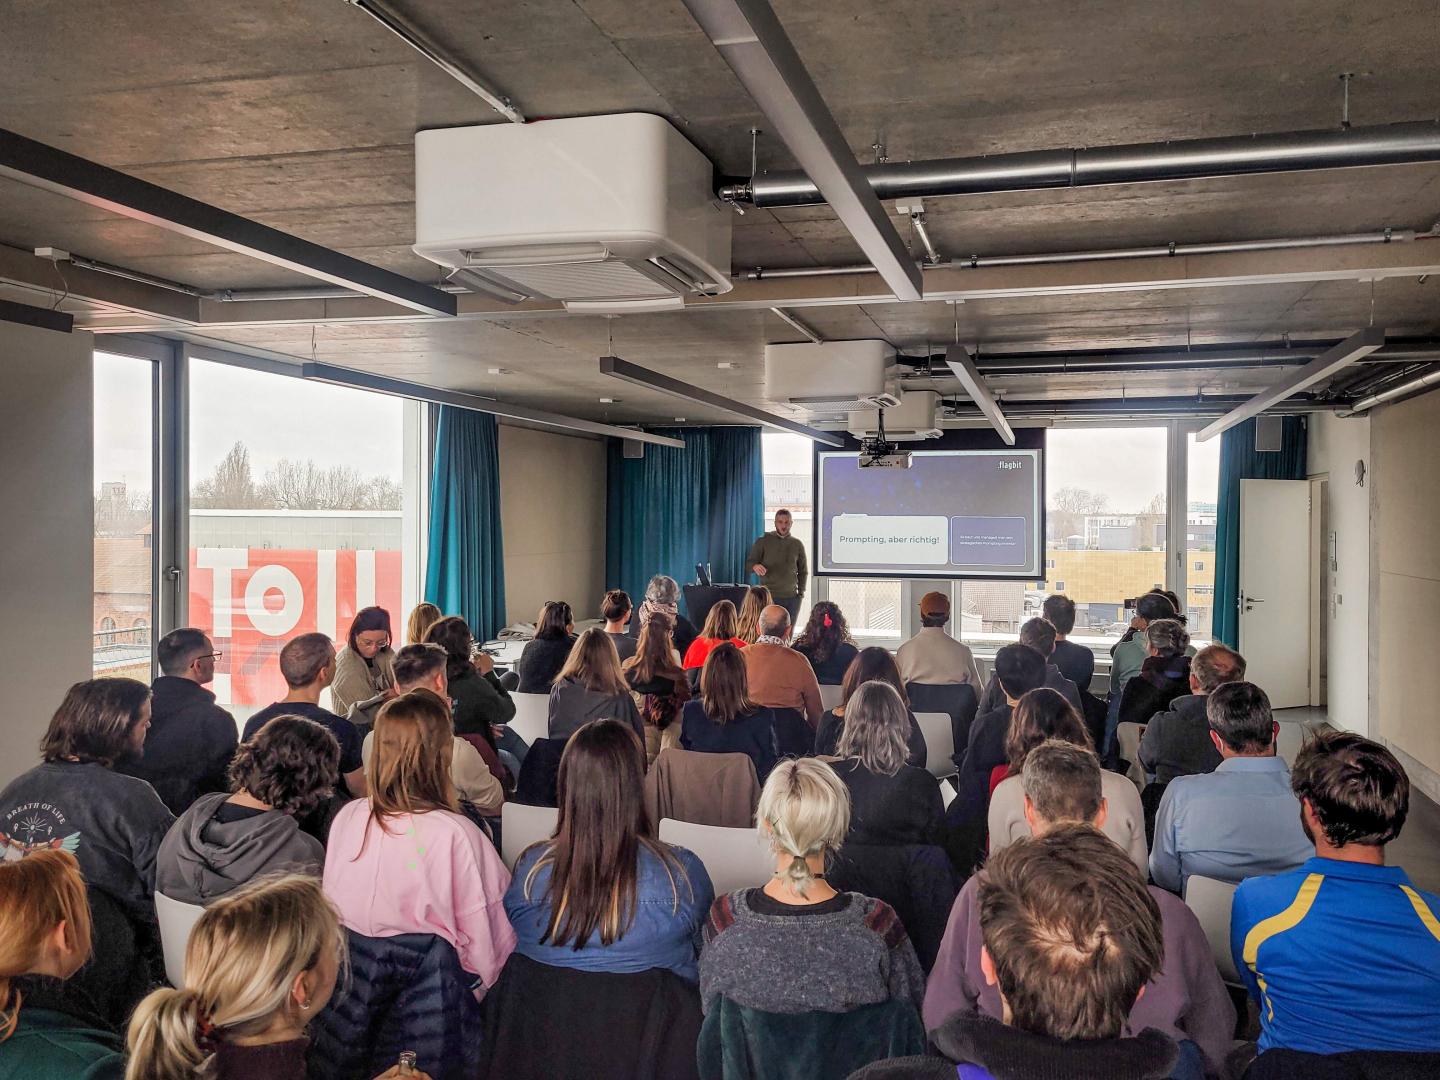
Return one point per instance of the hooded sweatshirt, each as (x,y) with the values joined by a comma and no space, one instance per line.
(202,858)
(573,705)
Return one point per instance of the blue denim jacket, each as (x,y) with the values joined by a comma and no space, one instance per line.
(665,933)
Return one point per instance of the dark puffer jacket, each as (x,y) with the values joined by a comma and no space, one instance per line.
(406,992)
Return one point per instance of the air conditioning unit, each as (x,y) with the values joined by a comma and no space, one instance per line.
(604,213)
(832,377)
(910,421)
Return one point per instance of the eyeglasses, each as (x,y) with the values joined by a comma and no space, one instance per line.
(210,656)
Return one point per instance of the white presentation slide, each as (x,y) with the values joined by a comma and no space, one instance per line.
(921,540)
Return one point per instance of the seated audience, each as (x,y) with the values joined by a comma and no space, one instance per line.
(1043,714)
(659,685)
(76,801)
(1068,939)
(779,676)
(827,644)
(747,623)
(725,720)
(307,663)
(934,657)
(1040,636)
(591,687)
(1184,998)
(364,668)
(474,769)
(262,962)
(482,706)
(1018,670)
(1127,656)
(851,950)
(1343,953)
(222,842)
(424,616)
(870,664)
(49,1027)
(405,860)
(603,894)
(615,609)
(662,596)
(1163,677)
(191,739)
(543,656)
(1076,662)
(720,627)
(1240,820)
(891,801)
(1177,740)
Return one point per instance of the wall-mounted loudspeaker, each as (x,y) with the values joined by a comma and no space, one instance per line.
(632,449)
(1269,432)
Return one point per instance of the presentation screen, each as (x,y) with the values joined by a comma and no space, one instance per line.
(952,513)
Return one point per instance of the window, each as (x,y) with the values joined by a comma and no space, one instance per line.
(124,429)
(1105,515)
(1202,486)
(298,503)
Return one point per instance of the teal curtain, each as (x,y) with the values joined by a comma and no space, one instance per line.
(465,571)
(1239,460)
(674,508)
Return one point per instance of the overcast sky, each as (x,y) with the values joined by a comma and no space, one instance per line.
(275,416)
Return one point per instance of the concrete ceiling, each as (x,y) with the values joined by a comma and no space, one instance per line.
(301,114)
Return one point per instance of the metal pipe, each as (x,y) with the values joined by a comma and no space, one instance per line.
(423,44)
(800,325)
(1187,159)
(1135,406)
(1414,386)
(1200,357)
(979,262)
(137,275)
(932,256)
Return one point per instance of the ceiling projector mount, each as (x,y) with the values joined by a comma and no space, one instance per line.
(879,452)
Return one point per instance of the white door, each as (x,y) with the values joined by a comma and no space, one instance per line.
(1275,588)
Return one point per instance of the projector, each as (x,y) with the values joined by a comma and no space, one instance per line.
(881,453)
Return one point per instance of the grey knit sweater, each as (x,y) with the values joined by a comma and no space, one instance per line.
(834,961)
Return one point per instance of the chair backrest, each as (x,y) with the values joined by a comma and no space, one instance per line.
(1211,900)
(830,695)
(176,920)
(532,716)
(521,826)
(960,700)
(939,743)
(734,858)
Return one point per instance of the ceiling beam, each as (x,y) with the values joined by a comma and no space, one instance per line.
(959,361)
(751,40)
(1361,343)
(653,380)
(380,384)
(46,167)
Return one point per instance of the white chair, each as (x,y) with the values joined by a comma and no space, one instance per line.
(830,695)
(176,921)
(939,743)
(532,716)
(521,826)
(734,858)
(1127,738)
(1211,901)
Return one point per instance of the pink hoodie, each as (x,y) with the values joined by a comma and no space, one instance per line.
(432,873)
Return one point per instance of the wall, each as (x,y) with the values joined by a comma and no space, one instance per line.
(46,563)
(1405,441)
(1335,445)
(552,512)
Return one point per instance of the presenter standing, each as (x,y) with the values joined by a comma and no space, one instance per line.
(778,560)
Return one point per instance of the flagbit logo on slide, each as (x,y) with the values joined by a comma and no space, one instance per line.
(33,827)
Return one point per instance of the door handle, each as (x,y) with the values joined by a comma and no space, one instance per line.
(1251,601)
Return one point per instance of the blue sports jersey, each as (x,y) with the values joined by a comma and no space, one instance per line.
(1340,956)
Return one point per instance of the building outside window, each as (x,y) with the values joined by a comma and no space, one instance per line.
(1202,486)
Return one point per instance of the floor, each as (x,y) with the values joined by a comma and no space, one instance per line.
(1418,848)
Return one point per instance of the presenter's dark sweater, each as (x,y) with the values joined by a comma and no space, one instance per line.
(784,560)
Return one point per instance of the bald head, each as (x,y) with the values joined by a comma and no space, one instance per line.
(775,622)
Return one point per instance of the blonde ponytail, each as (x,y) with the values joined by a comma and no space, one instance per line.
(807,809)
(244,956)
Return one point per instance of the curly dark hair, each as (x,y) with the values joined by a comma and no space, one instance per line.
(95,721)
(821,640)
(291,763)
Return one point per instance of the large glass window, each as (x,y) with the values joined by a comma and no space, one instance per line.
(1202,485)
(124,434)
(297,517)
(1105,518)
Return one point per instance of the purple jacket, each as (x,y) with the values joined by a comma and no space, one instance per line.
(1186,1000)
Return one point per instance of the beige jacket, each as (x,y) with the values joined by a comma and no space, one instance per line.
(1124,818)
(474,782)
(935,658)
